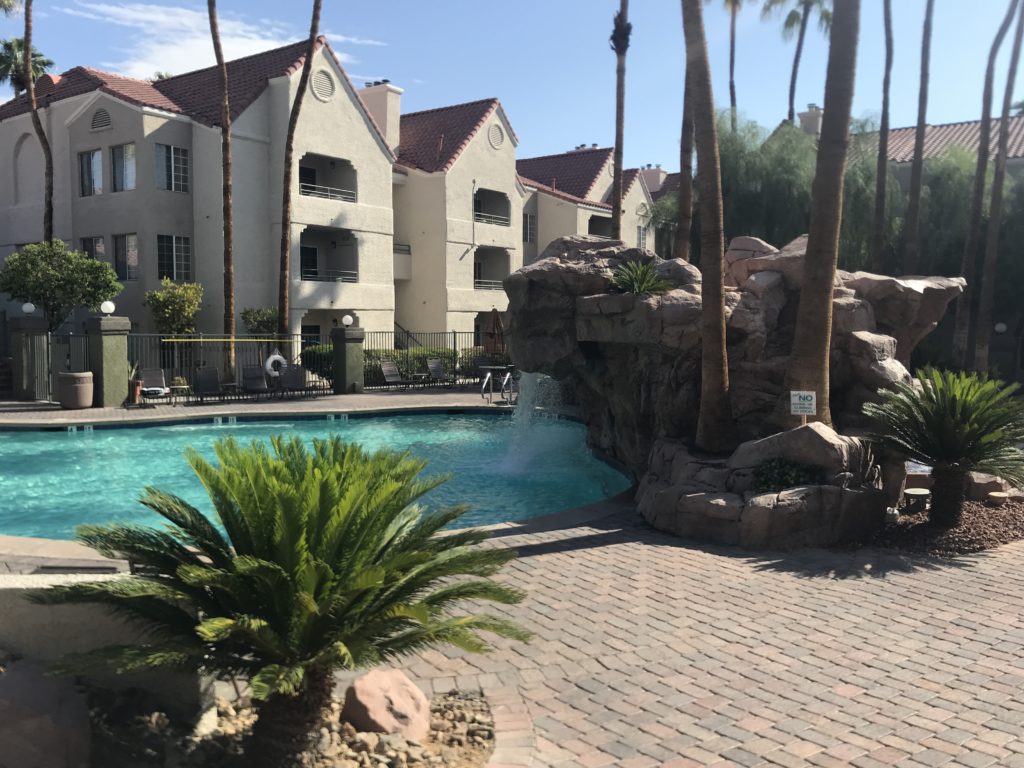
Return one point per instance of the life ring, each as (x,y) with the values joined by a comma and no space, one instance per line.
(274,364)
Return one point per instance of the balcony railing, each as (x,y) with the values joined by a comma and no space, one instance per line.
(330,275)
(328,193)
(402,248)
(491,218)
(488,285)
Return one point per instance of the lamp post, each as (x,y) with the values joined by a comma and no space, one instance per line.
(28,307)
(107,308)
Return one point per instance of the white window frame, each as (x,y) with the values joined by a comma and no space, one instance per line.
(126,181)
(181,258)
(177,176)
(529,227)
(95,173)
(131,245)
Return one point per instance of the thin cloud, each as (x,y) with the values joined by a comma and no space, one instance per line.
(184,40)
(336,38)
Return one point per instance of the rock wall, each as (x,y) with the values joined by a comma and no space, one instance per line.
(635,360)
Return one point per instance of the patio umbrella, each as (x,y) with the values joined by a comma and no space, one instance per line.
(494,334)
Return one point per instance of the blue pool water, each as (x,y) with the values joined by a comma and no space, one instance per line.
(52,481)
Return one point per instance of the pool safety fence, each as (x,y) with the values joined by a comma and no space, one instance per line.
(179,357)
(461,355)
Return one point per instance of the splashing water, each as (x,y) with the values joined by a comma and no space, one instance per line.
(539,396)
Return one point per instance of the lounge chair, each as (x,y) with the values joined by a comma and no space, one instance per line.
(207,384)
(294,380)
(393,377)
(254,381)
(435,369)
(154,387)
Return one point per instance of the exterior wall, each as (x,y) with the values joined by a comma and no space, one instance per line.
(635,208)
(556,218)
(421,302)
(532,250)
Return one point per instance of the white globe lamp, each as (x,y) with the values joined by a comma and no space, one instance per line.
(347,321)
(107,308)
(28,307)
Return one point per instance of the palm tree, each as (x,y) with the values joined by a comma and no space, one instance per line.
(286,197)
(733,7)
(228,208)
(882,171)
(912,227)
(983,328)
(37,124)
(319,560)
(954,423)
(714,419)
(796,23)
(619,40)
(684,196)
(1018,109)
(808,368)
(12,64)
(968,264)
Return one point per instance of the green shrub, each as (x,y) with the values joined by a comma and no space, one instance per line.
(319,358)
(954,423)
(777,475)
(320,559)
(639,277)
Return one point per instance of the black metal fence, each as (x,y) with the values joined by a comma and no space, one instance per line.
(178,357)
(459,352)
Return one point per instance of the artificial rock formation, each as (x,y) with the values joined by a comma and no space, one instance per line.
(635,359)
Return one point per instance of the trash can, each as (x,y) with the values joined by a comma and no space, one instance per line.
(74,390)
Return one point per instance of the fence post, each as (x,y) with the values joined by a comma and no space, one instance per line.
(108,359)
(348,359)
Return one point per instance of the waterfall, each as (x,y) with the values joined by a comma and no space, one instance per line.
(538,396)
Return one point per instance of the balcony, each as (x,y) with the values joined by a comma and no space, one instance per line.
(328,178)
(491,207)
(490,267)
(599,225)
(328,255)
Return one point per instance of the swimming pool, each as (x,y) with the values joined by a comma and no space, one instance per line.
(52,481)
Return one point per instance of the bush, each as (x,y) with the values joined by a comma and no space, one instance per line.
(954,423)
(639,277)
(175,306)
(319,358)
(777,475)
(260,321)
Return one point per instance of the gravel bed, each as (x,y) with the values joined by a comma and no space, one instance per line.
(461,736)
(982,527)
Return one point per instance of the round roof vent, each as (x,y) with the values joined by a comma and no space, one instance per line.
(322,84)
(495,135)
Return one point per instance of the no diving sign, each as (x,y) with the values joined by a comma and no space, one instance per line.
(803,403)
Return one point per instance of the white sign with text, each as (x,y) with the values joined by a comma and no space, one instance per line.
(803,403)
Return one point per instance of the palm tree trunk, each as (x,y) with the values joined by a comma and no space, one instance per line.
(287,725)
(733,9)
(620,43)
(948,493)
(804,17)
(912,228)
(968,265)
(684,216)
(714,427)
(809,364)
(983,331)
(875,259)
(284,283)
(227,212)
(37,124)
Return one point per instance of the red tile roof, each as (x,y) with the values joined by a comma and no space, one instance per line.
(196,94)
(560,194)
(938,138)
(432,140)
(574,172)
(670,184)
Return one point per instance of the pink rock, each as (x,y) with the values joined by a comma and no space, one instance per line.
(387,701)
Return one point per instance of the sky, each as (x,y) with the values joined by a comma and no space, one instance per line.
(547,60)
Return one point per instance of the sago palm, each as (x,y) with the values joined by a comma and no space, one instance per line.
(638,277)
(322,560)
(955,423)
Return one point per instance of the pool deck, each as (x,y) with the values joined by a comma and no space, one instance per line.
(653,651)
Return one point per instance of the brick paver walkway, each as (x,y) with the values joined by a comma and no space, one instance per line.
(649,651)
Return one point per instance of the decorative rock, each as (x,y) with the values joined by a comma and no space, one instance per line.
(815,444)
(387,701)
(980,485)
(44,722)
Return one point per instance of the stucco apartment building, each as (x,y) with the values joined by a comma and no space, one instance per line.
(407,219)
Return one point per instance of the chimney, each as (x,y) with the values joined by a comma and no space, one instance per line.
(593,146)
(384,100)
(810,121)
(654,177)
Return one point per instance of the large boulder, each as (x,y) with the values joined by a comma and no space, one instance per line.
(815,444)
(387,701)
(44,721)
